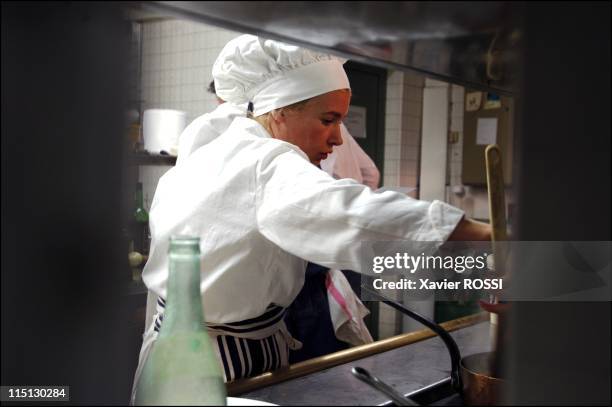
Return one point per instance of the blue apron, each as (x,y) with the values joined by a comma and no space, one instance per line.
(308,319)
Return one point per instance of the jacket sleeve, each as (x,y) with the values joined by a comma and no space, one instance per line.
(307,213)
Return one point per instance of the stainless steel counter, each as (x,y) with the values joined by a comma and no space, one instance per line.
(407,369)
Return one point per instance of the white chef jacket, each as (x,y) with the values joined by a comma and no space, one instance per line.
(206,128)
(348,160)
(261,210)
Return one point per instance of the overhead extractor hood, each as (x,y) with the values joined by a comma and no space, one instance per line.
(474,44)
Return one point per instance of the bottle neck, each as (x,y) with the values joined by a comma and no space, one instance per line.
(184,302)
(138,196)
(140,213)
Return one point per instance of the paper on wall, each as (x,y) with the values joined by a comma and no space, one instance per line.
(486,132)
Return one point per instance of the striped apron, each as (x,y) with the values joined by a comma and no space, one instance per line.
(244,349)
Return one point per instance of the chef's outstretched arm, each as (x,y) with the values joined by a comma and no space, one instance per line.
(311,215)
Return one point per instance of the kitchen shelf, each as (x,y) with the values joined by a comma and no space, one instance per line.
(145,158)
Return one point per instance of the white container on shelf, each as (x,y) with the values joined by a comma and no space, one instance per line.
(161,129)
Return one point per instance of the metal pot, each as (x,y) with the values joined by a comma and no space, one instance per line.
(479,387)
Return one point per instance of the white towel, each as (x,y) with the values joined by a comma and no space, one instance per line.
(346,310)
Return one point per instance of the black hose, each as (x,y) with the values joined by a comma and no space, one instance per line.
(448,340)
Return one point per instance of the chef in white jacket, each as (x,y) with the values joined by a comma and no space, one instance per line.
(261,209)
(310,315)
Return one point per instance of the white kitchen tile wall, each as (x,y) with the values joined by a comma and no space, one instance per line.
(177,61)
(402,129)
(134,90)
(393,122)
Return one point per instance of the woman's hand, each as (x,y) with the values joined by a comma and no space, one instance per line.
(471,230)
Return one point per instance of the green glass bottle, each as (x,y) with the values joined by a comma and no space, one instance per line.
(182,368)
(140,223)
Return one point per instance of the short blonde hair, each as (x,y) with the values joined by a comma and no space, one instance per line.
(264,119)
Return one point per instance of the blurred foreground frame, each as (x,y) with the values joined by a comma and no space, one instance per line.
(64,93)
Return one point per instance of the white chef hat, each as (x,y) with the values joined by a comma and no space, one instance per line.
(272,74)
